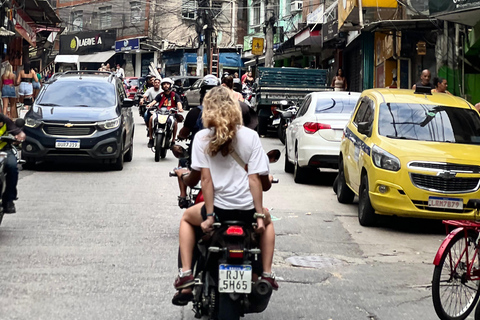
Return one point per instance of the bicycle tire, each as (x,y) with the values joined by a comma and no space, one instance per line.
(466,294)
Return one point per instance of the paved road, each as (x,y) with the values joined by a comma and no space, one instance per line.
(89,243)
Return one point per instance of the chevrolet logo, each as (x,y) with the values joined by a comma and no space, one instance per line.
(68,125)
(447,175)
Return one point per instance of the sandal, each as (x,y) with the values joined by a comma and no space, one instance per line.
(182,299)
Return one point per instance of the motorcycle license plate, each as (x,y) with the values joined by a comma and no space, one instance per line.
(67,144)
(276,122)
(162,118)
(445,203)
(234,278)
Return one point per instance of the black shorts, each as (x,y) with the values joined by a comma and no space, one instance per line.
(236,215)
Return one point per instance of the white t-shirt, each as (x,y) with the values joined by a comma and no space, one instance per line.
(230,180)
(120,73)
(151,93)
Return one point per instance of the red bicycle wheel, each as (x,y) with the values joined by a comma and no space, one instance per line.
(454,295)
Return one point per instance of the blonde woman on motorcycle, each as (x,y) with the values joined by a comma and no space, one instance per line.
(231,192)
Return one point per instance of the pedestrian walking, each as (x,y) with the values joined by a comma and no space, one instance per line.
(440,85)
(36,84)
(424,80)
(8,89)
(25,79)
(339,82)
(120,72)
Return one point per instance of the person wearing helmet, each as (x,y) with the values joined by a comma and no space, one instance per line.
(169,99)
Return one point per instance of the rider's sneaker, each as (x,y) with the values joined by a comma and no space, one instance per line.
(9,207)
(270,277)
(184,281)
(150,143)
(183,202)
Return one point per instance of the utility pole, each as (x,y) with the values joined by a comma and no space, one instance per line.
(269,21)
(202,4)
(208,34)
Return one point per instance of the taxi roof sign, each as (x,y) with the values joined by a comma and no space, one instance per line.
(257,46)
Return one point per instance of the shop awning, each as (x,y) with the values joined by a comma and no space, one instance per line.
(66,58)
(99,57)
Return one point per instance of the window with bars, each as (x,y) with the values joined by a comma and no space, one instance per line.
(77,20)
(189,9)
(105,17)
(256,13)
(136,12)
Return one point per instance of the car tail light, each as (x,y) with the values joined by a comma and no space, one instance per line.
(234,231)
(235,254)
(312,127)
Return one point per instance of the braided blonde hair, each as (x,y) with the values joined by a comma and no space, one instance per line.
(222,113)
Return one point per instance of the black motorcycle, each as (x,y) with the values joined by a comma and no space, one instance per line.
(226,267)
(10,140)
(163,126)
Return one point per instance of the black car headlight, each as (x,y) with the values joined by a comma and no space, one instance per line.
(32,123)
(385,160)
(109,124)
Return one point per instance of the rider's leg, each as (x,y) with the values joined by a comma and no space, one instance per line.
(11,179)
(267,245)
(174,131)
(191,217)
(150,123)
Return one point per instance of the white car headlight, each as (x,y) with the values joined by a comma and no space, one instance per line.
(32,123)
(385,160)
(109,124)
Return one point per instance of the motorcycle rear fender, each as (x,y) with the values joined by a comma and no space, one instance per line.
(444,245)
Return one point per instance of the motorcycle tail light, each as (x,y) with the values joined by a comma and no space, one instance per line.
(312,127)
(234,231)
(235,254)
(274,110)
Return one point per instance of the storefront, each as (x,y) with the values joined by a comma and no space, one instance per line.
(135,56)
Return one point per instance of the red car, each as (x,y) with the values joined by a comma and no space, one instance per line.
(131,86)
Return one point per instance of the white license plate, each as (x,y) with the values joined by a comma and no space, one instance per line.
(68,144)
(235,278)
(276,122)
(445,203)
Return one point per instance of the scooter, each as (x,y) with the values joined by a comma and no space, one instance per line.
(286,117)
(10,140)
(163,126)
(226,271)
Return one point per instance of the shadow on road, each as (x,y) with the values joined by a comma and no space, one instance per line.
(72,166)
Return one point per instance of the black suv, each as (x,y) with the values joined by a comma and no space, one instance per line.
(80,114)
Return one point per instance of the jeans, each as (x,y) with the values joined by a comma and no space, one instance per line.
(147,116)
(11,177)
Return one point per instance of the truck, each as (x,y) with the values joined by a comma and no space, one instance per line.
(279,88)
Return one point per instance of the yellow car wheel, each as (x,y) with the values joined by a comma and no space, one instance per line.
(344,193)
(366,213)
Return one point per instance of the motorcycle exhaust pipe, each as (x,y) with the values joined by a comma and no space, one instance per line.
(260,296)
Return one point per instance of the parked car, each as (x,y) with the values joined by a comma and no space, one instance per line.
(312,139)
(131,85)
(411,155)
(80,115)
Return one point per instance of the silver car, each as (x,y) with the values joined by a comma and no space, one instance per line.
(192,95)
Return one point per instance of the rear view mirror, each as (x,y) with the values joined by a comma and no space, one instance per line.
(287,115)
(364,128)
(179,152)
(273,155)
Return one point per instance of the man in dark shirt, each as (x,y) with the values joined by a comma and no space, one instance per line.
(168,99)
(7,126)
(424,80)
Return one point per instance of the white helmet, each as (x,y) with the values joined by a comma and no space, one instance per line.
(168,80)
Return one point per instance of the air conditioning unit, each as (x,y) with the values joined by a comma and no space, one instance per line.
(296,6)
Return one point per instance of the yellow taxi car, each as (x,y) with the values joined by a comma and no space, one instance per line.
(411,154)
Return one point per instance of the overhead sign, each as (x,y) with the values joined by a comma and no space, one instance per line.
(24,29)
(127,45)
(330,30)
(257,46)
(317,15)
(87,42)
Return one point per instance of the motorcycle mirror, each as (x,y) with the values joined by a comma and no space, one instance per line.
(283,102)
(179,152)
(273,155)
(287,115)
(20,123)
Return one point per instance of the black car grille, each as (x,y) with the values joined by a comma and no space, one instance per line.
(452,185)
(445,166)
(74,131)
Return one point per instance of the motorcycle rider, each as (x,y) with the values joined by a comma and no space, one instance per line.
(7,126)
(231,192)
(168,99)
(148,83)
(149,95)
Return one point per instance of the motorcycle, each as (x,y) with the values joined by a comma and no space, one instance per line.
(10,140)
(286,117)
(163,126)
(227,267)
(141,108)
(248,95)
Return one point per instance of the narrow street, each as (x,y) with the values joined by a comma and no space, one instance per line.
(89,243)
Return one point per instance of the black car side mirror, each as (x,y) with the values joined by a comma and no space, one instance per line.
(364,128)
(127,103)
(287,115)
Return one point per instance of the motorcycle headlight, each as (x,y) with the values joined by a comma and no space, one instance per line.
(385,160)
(32,123)
(109,124)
